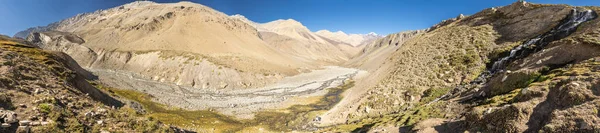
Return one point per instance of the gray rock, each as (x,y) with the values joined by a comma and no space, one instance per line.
(102,111)
(317,119)
(223,85)
(89,114)
(24,123)
(10,117)
(524,90)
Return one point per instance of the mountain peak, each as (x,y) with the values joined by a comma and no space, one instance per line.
(341,33)
(353,39)
(372,33)
(289,22)
(139,3)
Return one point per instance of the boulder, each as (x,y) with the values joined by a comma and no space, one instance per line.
(24,123)
(10,117)
(223,85)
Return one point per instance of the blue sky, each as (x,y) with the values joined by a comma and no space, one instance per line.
(350,16)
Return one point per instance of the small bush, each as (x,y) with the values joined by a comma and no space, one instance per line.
(45,108)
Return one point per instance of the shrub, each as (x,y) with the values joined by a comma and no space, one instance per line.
(45,108)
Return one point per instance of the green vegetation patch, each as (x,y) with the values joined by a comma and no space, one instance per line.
(501,99)
(199,120)
(298,116)
(433,93)
(45,108)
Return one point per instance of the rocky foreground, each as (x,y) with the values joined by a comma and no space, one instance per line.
(44,91)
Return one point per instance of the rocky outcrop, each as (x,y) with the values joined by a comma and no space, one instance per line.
(64,42)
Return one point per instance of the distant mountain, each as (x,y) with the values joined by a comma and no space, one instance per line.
(352,39)
(291,36)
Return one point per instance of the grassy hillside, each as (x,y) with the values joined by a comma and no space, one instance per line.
(430,86)
(47,94)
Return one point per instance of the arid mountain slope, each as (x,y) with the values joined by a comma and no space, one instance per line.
(375,53)
(183,43)
(445,80)
(290,36)
(291,28)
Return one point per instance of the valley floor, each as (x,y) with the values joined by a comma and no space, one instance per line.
(304,88)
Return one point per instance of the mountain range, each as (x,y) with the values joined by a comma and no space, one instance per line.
(185,67)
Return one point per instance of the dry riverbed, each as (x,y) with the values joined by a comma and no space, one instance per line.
(305,96)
